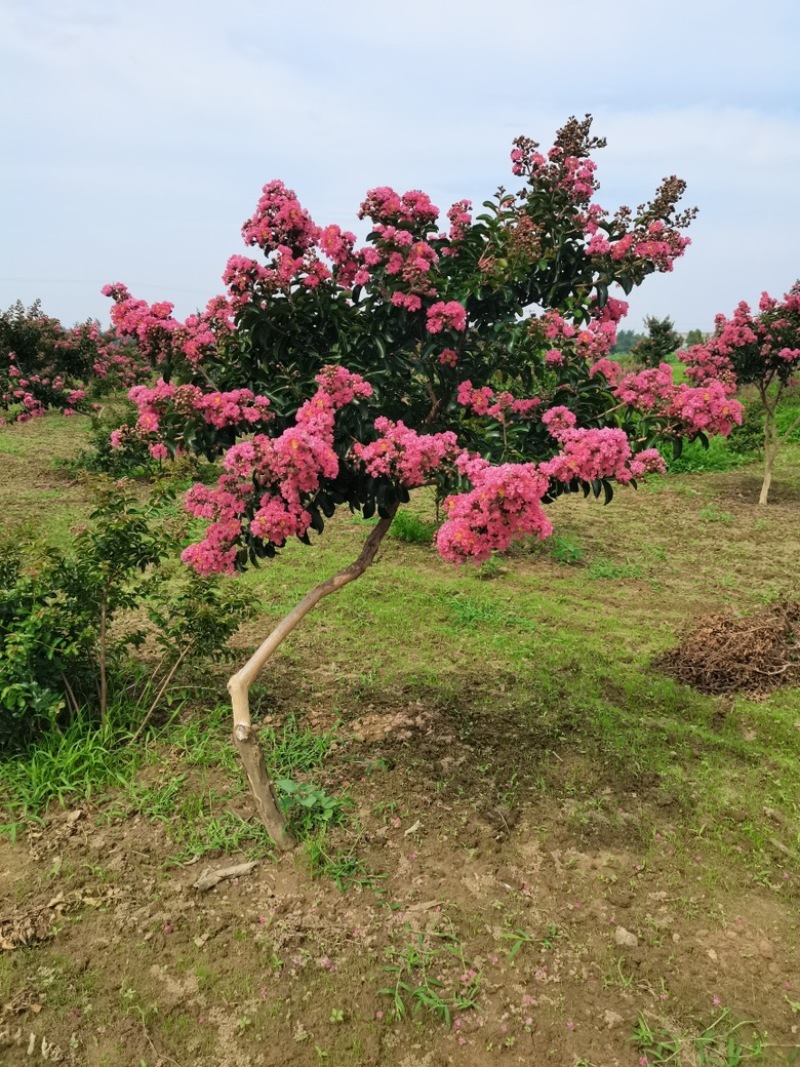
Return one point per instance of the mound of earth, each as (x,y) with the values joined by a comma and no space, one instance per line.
(728,654)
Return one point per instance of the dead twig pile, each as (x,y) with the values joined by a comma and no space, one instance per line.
(725,654)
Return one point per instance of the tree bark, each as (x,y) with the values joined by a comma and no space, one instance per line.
(770,451)
(244,736)
(103,670)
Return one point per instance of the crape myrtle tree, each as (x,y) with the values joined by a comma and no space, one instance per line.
(762,350)
(472,356)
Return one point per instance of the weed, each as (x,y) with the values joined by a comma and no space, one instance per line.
(717,1045)
(293,750)
(518,938)
(157,802)
(222,833)
(551,937)
(412,529)
(11,830)
(343,867)
(309,808)
(204,741)
(711,513)
(618,977)
(490,569)
(565,549)
(414,987)
(467,612)
(719,456)
(603,569)
(76,763)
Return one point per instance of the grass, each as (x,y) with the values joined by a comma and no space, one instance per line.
(695,458)
(410,528)
(79,763)
(87,762)
(720,1043)
(414,988)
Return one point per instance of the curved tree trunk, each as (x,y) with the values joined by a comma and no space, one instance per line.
(244,736)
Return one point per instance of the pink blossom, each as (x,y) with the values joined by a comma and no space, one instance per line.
(449,315)
(404,454)
(504,505)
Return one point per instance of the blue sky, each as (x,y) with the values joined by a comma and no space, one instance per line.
(136,137)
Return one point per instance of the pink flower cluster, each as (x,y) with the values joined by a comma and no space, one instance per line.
(556,327)
(596,339)
(248,281)
(578,179)
(574,175)
(591,454)
(706,409)
(338,245)
(279,219)
(405,455)
(65,361)
(272,478)
(592,340)
(647,390)
(523,162)
(660,246)
(159,334)
(655,245)
(384,205)
(504,505)
(33,392)
(238,408)
(757,347)
(245,277)
(460,216)
(409,261)
(448,315)
(609,368)
(485,401)
(150,324)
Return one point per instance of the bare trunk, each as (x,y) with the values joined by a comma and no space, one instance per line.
(245,740)
(769,463)
(244,737)
(103,671)
(770,451)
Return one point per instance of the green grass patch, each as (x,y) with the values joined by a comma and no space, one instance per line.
(78,763)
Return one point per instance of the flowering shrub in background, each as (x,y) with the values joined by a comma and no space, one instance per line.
(762,350)
(44,366)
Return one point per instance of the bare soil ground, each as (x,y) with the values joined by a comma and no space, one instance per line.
(564,932)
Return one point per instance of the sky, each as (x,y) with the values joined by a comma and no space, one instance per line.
(136,137)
